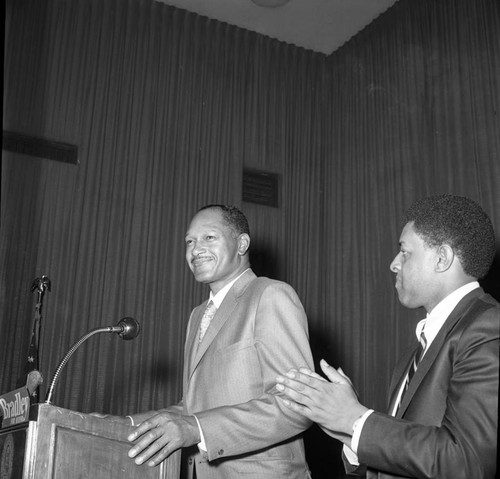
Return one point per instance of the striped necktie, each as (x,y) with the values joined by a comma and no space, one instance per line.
(209,313)
(422,344)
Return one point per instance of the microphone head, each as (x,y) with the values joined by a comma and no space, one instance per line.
(130,328)
(33,381)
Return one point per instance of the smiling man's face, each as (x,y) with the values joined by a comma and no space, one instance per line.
(214,252)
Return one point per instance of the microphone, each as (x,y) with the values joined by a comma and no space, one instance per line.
(127,328)
(33,381)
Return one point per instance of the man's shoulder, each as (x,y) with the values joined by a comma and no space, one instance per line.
(252,285)
(264,282)
(478,302)
(487,298)
(477,312)
(475,302)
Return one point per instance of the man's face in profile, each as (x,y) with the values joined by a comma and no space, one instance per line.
(414,265)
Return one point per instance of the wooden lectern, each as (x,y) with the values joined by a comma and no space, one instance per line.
(64,444)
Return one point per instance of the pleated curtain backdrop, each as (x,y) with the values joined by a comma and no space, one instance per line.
(166,109)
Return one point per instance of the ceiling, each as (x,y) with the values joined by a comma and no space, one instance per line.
(318,25)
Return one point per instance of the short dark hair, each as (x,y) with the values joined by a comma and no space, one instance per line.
(459,222)
(233,217)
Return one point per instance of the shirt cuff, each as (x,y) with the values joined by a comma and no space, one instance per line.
(201,445)
(350,456)
(357,427)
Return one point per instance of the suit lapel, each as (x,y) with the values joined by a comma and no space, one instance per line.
(399,376)
(462,308)
(221,316)
(192,336)
(224,312)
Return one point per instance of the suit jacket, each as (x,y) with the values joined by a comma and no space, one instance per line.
(446,426)
(259,331)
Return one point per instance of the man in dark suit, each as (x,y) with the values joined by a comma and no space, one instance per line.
(443,410)
(229,421)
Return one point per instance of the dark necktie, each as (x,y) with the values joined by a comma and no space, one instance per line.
(422,344)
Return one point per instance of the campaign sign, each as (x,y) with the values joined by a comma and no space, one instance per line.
(14,407)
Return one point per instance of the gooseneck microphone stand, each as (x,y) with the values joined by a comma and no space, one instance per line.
(127,328)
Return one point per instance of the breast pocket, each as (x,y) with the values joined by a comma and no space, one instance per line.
(237,372)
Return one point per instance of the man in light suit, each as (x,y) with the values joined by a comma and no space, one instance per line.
(229,419)
(442,423)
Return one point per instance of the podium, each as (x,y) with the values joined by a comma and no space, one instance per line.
(63,444)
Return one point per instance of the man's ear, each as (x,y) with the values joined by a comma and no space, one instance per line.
(243,243)
(445,258)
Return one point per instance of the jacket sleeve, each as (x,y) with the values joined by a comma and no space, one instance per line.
(463,445)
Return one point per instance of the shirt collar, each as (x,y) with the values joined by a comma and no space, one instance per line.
(437,317)
(219,297)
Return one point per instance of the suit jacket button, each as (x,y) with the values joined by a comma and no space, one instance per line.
(190,461)
(221,451)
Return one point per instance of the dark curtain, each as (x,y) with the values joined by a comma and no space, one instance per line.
(166,108)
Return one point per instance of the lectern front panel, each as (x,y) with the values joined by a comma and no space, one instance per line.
(65,444)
